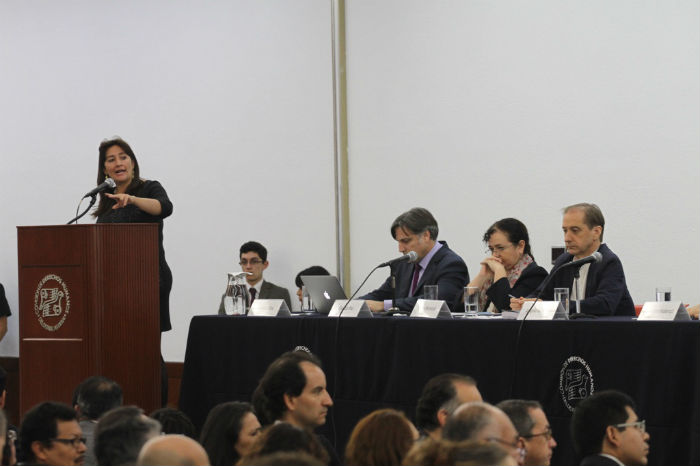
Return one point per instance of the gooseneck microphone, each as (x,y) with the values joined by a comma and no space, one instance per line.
(106,184)
(410,256)
(595,257)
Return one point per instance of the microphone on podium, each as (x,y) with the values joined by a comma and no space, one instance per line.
(106,184)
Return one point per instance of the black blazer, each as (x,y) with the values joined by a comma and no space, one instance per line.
(529,280)
(597,460)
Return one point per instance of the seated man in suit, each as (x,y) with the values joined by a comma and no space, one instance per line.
(602,288)
(417,230)
(607,432)
(253,259)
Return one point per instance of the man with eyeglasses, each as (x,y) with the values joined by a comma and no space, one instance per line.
(483,422)
(50,434)
(534,430)
(607,432)
(253,259)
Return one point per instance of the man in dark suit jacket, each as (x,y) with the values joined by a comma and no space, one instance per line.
(605,292)
(253,259)
(417,230)
(607,432)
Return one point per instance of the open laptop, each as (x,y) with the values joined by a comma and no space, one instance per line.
(324,290)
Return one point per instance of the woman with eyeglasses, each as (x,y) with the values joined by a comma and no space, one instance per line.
(136,200)
(510,269)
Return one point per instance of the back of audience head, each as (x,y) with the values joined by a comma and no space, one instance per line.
(534,430)
(431,452)
(229,432)
(483,422)
(293,389)
(50,434)
(285,437)
(439,399)
(172,450)
(95,396)
(174,421)
(382,438)
(605,423)
(287,458)
(3,386)
(120,434)
(313,270)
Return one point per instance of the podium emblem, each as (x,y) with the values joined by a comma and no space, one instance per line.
(575,381)
(51,302)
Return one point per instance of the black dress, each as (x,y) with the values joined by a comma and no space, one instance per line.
(132,214)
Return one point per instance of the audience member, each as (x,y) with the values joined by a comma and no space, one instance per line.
(485,423)
(253,259)
(4,312)
(437,452)
(93,397)
(601,287)
(229,432)
(510,269)
(417,230)
(50,434)
(607,432)
(293,389)
(285,458)
(382,438)
(440,397)
(313,270)
(285,437)
(534,430)
(121,433)
(174,421)
(172,450)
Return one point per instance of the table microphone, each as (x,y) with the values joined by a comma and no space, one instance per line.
(410,256)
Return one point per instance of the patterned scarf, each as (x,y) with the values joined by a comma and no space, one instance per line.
(512,277)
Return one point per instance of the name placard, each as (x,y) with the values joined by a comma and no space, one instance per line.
(354,308)
(269,308)
(664,310)
(543,310)
(431,309)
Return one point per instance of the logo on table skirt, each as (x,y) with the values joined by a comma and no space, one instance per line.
(51,302)
(575,381)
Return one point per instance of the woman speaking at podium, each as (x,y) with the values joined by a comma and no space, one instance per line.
(135,200)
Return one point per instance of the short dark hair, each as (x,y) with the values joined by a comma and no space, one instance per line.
(468,422)
(313,270)
(120,434)
(40,424)
(519,413)
(221,430)
(3,380)
(254,246)
(287,458)
(96,395)
(515,231)
(106,203)
(592,417)
(437,393)
(283,377)
(416,220)
(592,215)
(174,421)
(284,436)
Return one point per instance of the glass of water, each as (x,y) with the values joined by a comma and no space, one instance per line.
(306,303)
(430,292)
(471,300)
(562,295)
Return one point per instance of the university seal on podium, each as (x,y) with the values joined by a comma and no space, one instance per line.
(51,302)
(575,381)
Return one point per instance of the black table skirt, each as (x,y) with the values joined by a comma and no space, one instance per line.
(384,362)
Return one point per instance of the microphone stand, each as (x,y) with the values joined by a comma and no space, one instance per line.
(78,217)
(393,309)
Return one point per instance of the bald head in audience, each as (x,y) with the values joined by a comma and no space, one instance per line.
(172,450)
(485,423)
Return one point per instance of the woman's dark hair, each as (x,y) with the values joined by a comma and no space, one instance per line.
(514,229)
(221,430)
(313,270)
(382,438)
(105,203)
(283,436)
(174,421)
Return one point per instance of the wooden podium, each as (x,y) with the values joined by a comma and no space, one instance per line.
(88,305)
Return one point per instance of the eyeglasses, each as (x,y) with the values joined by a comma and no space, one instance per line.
(639,425)
(497,249)
(521,451)
(71,441)
(547,434)
(245,262)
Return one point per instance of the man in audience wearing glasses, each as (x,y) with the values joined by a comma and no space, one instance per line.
(483,422)
(607,432)
(533,428)
(50,434)
(253,259)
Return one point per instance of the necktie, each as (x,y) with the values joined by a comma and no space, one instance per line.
(416,274)
(252,292)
